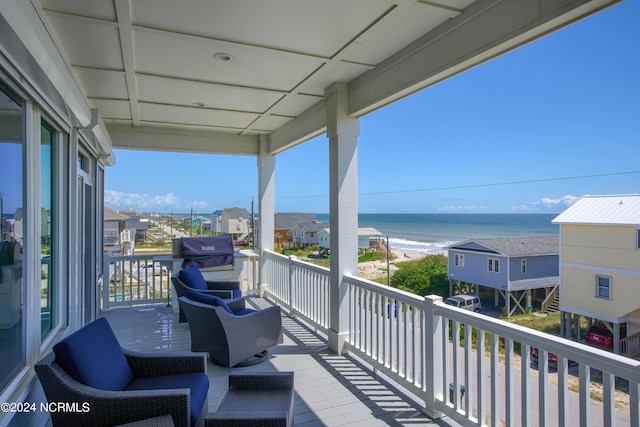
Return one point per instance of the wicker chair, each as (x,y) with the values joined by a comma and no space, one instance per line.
(256,399)
(155,385)
(237,338)
(229,290)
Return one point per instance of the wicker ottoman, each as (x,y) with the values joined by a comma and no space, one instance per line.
(256,399)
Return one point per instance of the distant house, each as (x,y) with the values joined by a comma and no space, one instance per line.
(306,234)
(233,221)
(136,222)
(283,226)
(368,238)
(600,265)
(116,233)
(520,270)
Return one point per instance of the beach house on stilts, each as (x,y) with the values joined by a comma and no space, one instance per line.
(520,271)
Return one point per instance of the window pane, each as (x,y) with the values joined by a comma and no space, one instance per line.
(603,287)
(11,223)
(48,312)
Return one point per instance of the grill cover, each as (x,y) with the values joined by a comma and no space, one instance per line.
(206,251)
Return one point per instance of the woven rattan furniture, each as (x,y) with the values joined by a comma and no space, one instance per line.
(256,399)
(113,386)
(191,280)
(232,339)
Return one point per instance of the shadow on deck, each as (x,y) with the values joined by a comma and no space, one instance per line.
(331,390)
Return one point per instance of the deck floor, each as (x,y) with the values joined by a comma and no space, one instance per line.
(330,390)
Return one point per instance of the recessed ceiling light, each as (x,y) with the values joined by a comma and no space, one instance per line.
(224,57)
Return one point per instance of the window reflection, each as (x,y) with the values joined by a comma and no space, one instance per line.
(48,314)
(11,224)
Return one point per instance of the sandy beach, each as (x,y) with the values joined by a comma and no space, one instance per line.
(378,269)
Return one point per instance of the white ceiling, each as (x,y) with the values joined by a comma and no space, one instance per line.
(148,66)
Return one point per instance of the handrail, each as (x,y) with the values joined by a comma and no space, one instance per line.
(433,349)
(550,298)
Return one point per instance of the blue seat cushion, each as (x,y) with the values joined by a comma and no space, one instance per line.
(236,293)
(209,299)
(93,356)
(193,278)
(197,382)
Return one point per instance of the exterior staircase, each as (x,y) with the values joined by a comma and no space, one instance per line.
(554,305)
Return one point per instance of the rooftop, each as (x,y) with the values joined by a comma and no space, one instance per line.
(603,210)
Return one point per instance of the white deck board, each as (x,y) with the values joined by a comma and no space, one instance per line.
(331,390)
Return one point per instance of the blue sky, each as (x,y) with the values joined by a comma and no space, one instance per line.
(530,131)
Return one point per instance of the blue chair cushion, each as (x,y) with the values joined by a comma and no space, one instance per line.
(236,293)
(193,278)
(209,299)
(93,356)
(197,382)
(244,312)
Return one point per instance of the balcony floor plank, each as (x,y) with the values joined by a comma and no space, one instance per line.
(331,390)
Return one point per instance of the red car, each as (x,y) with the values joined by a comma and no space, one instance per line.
(553,359)
(598,335)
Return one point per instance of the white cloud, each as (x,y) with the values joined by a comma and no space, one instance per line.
(566,200)
(146,202)
(462,208)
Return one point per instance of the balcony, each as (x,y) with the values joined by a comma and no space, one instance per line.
(406,357)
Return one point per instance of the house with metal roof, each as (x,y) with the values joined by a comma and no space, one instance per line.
(518,269)
(368,238)
(600,266)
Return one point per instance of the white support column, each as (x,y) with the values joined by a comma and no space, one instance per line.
(342,132)
(266,203)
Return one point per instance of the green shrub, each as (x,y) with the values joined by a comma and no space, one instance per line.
(371,256)
(426,276)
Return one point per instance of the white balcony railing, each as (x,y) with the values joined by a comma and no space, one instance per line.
(146,279)
(433,349)
(136,279)
(301,287)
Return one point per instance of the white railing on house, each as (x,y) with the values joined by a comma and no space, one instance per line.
(630,346)
(300,287)
(137,279)
(146,279)
(433,349)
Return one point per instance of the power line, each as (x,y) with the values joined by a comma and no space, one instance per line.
(493,184)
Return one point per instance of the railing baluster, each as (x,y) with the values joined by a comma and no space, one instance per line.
(480,375)
(585,395)
(495,384)
(509,382)
(468,384)
(608,401)
(563,391)
(525,386)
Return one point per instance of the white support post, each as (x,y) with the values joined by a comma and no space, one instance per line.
(433,332)
(266,204)
(342,132)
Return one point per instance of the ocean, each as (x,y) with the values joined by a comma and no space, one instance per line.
(431,233)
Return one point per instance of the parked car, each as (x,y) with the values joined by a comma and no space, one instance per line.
(598,335)
(152,268)
(553,359)
(466,301)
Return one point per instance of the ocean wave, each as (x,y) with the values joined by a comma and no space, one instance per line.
(422,247)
